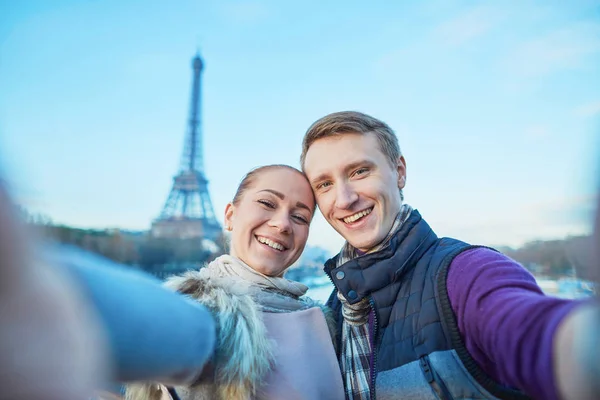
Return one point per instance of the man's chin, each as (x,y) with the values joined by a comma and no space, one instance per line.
(366,239)
(361,244)
(364,242)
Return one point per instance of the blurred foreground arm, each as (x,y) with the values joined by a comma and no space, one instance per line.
(153,333)
(51,345)
(70,322)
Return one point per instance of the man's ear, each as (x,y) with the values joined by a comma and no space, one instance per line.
(229,216)
(401,168)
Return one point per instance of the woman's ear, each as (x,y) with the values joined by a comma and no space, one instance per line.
(229,216)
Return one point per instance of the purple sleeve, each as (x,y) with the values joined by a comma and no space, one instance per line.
(506,321)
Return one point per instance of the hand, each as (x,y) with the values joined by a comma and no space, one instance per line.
(577,342)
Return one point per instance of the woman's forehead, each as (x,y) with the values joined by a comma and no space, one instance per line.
(280,176)
(288,182)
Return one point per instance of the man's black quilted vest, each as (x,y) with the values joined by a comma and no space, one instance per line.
(406,285)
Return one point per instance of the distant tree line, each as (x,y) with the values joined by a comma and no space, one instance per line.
(139,250)
(557,258)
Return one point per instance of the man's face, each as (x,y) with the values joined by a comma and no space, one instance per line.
(356,188)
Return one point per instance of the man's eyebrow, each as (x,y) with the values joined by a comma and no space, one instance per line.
(361,163)
(282,196)
(320,178)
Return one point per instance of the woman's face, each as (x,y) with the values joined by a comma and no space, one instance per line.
(269,225)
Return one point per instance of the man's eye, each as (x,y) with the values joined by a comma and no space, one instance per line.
(361,171)
(323,185)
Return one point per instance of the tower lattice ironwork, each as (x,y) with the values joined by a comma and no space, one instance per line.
(188,211)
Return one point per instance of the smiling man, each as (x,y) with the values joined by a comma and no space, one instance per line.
(421,317)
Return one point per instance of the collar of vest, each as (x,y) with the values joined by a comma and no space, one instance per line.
(370,272)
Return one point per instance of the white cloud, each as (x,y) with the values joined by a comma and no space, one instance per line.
(435,49)
(537,132)
(588,110)
(563,49)
(469,25)
(246,11)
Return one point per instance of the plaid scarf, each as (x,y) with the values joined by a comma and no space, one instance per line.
(356,345)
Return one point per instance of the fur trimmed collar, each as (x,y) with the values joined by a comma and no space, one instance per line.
(243,353)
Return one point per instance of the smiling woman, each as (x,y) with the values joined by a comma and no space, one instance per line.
(274,342)
(269,218)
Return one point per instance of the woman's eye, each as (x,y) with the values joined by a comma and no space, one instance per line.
(266,203)
(301,219)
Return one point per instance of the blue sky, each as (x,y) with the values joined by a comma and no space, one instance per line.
(496,104)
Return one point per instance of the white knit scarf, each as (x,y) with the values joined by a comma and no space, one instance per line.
(272,294)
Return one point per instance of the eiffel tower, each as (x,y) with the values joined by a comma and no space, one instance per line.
(188,211)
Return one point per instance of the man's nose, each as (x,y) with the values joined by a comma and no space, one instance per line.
(345,197)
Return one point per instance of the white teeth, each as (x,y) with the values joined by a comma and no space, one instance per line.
(270,243)
(357,216)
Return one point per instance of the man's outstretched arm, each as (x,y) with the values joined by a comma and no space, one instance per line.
(509,326)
